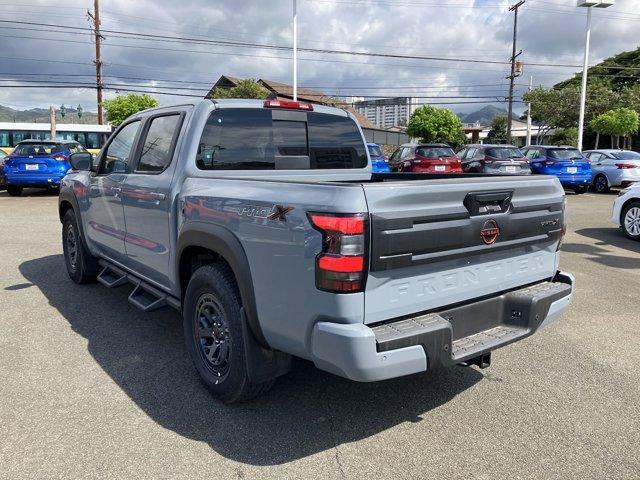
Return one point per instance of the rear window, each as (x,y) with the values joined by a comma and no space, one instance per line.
(38,149)
(375,151)
(504,153)
(565,153)
(249,139)
(628,155)
(434,152)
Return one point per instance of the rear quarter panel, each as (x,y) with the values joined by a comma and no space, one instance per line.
(281,253)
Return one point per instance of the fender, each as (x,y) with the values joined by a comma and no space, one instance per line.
(223,242)
(68,196)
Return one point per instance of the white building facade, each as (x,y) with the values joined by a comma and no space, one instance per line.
(386,112)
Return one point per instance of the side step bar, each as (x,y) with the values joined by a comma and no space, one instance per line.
(143,296)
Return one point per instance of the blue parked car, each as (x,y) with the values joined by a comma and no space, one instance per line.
(567,163)
(38,163)
(378,160)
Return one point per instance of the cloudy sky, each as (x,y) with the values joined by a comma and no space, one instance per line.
(550,32)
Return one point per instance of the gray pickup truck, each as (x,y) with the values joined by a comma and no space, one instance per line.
(261,222)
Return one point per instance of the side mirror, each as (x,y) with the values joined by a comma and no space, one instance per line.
(81,161)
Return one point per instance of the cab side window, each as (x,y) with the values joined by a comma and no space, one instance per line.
(117,156)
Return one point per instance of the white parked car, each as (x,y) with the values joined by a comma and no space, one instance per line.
(626,211)
(613,168)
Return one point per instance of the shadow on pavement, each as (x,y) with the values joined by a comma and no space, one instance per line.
(33,192)
(308,411)
(600,253)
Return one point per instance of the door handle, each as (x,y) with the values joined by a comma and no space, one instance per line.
(158,195)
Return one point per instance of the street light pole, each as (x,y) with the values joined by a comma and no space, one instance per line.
(528,141)
(588,4)
(295,51)
(585,67)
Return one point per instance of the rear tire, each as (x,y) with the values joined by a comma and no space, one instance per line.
(81,266)
(14,190)
(601,184)
(212,324)
(630,220)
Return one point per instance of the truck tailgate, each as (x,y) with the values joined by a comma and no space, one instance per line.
(440,242)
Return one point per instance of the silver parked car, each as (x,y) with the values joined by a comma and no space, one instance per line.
(613,168)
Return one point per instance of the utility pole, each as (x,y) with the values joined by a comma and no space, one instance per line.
(512,77)
(528,142)
(52,121)
(295,51)
(95,19)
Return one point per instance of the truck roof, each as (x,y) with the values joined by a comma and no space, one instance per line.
(248,103)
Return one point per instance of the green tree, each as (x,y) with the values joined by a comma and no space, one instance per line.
(565,136)
(248,88)
(432,124)
(498,132)
(560,108)
(119,108)
(620,122)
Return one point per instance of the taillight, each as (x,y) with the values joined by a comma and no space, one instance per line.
(290,104)
(60,158)
(486,160)
(548,162)
(341,265)
(625,165)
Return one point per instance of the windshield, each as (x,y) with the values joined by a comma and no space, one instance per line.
(37,149)
(565,153)
(505,152)
(626,155)
(375,151)
(434,152)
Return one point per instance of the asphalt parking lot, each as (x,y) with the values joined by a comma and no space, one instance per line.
(92,387)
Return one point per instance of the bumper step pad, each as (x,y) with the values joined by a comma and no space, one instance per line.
(464,332)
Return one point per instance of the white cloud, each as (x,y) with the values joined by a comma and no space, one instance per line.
(549,32)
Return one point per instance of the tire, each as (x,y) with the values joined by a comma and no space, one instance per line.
(14,190)
(81,266)
(580,190)
(630,220)
(601,184)
(213,334)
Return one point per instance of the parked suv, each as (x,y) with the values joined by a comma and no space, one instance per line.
(425,158)
(613,168)
(567,163)
(38,163)
(261,222)
(494,159)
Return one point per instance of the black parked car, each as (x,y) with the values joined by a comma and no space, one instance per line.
(497,159)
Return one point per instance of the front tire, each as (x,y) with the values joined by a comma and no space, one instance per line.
(212,324)
(81,266)
(601,184)
(14,190)
(630,220)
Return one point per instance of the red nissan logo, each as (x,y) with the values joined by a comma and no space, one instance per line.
(490,231)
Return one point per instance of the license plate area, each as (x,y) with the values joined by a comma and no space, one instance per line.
(441,168)
(572,169)
(511,169)
(31,166)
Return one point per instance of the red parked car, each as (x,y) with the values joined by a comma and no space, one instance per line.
(425,158)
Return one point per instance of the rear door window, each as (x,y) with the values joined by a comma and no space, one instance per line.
(159,143)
